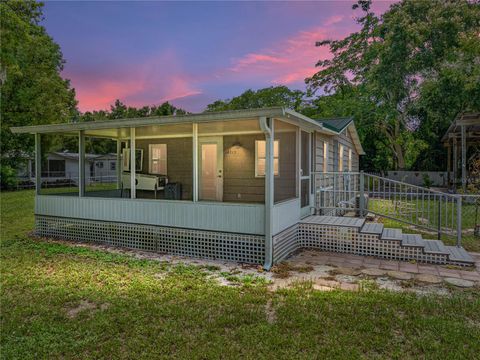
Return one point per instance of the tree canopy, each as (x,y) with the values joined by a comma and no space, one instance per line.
(411,70)
(32,90)
(267,97)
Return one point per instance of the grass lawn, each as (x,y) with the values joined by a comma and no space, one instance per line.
(61,301)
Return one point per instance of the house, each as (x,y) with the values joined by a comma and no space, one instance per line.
(243,185)
(63,165)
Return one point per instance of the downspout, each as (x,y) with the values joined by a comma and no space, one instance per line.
(268,131)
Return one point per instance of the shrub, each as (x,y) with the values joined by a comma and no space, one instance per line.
(8,177)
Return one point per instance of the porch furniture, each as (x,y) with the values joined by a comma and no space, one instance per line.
(144,182)
(173,191)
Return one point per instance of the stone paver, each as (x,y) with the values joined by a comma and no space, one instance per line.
(428,278)
(459,282)
(328,283)
(400,275)
(389,266)
(373,272)
(349,287)
(472,277)
(346,271)
(407,267)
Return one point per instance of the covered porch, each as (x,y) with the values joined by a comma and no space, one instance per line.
(234,179)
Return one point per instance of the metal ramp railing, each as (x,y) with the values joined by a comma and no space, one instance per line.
(358,193)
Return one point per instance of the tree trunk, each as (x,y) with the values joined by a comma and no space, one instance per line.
(398,151)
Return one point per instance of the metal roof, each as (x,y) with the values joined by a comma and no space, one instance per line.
(274,112)
(336,124)
(341,123)
(471,121)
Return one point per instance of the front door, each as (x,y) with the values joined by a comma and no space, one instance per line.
(210,168)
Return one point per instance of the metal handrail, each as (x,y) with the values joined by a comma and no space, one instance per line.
(411,204)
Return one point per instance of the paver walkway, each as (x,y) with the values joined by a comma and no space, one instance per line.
(315,258)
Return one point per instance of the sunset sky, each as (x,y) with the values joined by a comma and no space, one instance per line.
(191,53)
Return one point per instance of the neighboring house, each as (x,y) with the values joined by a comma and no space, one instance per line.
(236,185)
(64,166)
(462,141)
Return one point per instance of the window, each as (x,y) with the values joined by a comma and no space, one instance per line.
(56,168)
(100,164)
(340,157)
(325,157)
(113,165)
(138,159)
(349,159)
(260,154)
(158,159)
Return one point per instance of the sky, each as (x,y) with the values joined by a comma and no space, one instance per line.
(191,53)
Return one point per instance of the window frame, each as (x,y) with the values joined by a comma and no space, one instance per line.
(150,147)
(277,158)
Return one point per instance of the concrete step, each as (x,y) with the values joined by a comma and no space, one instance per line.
(459,254)
(391,234)
(372,228)
(435,247)
(412,240)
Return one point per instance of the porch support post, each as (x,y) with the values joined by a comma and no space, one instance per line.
(118,167)
(298,157)
(455,163)
(464,158)
(81,163)
(133,187)
(38,164)
(195,162)
(449,163)
(268,131)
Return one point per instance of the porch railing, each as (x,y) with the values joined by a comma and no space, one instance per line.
(358,193)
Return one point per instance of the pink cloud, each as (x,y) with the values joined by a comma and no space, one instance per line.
(335,19)
(287,61)
(158,79)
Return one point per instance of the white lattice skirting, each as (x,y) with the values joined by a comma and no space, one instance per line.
(175,241)
(347,240)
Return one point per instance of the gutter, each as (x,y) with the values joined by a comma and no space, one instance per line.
(268,131)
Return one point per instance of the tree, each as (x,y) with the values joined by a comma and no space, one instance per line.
(32,90)
(267,97)
(397,62)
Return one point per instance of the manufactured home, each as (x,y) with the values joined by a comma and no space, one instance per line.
(63,165)
(246,185)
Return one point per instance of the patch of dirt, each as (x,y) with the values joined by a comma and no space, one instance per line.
(84,305)
(284,269)
(270,312)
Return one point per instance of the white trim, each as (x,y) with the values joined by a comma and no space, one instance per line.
(195,162)
(133,167)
